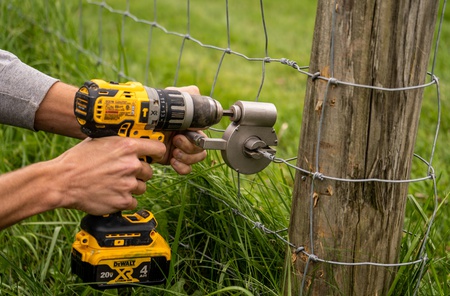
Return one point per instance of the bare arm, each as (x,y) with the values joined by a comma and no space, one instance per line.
(98,176)
(55,113)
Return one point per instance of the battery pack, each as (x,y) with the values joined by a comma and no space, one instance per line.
(117,250)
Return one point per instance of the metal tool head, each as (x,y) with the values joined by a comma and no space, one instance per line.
(247,141)
(243,145)
(250,132)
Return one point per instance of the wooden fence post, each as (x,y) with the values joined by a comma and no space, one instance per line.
(364,133)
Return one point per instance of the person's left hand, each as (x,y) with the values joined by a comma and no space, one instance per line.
(182,153)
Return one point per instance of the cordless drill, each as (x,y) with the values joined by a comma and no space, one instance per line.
(115,250)
(133,110)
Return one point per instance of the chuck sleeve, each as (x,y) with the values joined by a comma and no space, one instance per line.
(22,89)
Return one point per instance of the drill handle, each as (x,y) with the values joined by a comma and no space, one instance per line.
(147,159)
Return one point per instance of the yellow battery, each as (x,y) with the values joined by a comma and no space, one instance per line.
(117,250)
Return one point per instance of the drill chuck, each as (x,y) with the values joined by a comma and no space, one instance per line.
(172,110)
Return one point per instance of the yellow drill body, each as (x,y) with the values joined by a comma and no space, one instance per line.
(105,108)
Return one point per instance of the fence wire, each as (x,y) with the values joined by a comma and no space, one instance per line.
(153,23)
(430,175)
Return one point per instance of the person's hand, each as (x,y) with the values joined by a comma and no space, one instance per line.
(99,176)
(182,153)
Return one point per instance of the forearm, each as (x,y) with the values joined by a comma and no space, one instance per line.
(34,100)
(97,176)
(25,192)
(55,113)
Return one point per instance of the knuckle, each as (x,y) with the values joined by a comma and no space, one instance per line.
(159,152)
(128,184)
(128,145)
(161,148)
(203,154)
(135,165)
(185,170)
(134,185)
(181,168)
(193,89)
(131,166)
(147,173)
(127,202)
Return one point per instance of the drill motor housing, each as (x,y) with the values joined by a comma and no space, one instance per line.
(133,110)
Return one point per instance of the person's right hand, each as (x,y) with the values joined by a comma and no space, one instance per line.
(100,175)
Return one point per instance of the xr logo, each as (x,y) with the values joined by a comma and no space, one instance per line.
(125,275)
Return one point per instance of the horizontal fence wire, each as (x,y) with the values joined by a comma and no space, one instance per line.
(153,24)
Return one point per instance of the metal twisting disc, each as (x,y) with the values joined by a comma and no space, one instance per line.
(237,156)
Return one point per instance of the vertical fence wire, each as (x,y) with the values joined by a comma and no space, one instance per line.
(149,44)
(225,52)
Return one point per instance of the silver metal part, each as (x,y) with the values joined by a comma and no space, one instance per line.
(154,108)
(172,110)
(245,145)
(189,107)
(250,132)
(206,143)
(254,113)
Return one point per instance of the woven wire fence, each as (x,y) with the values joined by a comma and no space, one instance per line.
(154,25)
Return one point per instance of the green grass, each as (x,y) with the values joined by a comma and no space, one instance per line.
(216,251)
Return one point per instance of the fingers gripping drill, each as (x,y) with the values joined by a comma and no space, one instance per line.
(133,110)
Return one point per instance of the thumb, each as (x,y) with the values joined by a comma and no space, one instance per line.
(191,89)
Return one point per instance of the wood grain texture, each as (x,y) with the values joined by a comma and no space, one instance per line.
(365,134)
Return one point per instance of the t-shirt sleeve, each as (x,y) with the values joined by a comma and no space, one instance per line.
(22,89)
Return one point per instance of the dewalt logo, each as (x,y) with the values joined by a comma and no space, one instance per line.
(126,263)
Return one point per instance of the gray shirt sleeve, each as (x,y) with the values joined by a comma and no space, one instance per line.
(22,89)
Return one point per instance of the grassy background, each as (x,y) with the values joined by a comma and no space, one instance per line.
(215,250)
